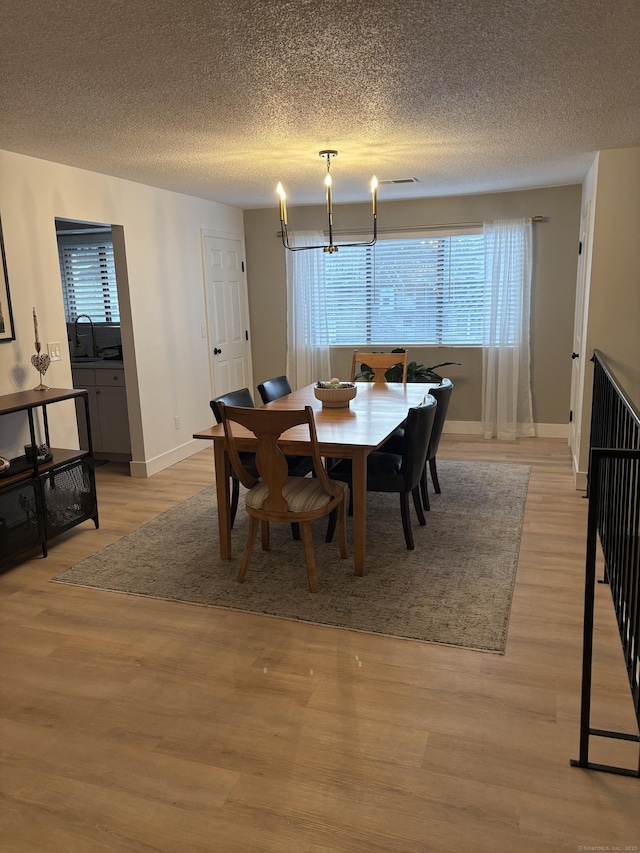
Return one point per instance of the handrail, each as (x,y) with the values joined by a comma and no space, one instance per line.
(614,520)
(599,358)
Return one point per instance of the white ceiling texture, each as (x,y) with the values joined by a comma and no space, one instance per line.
(223,99)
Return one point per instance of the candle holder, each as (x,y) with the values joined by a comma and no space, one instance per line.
(41,364)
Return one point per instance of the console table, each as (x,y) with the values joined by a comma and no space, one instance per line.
(41,498)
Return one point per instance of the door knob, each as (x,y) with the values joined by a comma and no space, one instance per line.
(575,355)
(216,351)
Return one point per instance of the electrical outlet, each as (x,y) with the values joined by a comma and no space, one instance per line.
(176,421)
(55,353)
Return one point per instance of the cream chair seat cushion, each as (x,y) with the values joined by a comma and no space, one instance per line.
(302,494)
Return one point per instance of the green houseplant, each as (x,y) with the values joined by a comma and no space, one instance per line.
(415,372)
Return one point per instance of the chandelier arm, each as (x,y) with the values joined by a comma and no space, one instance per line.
(285,242)
(370,242)
(329,247)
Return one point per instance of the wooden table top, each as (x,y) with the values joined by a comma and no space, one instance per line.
(373,414)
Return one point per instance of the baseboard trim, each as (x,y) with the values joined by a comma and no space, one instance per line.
(475,428)
(165,460)
(552,430)
(580,479)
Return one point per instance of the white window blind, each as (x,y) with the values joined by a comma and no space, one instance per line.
(89,278)
(420,290)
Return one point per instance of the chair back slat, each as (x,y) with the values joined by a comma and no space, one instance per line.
(268,426)
(379,362)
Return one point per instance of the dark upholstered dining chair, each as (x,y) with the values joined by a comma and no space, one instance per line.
(393,472)
(275,497)
(273,389)
(236,398)
(442,394)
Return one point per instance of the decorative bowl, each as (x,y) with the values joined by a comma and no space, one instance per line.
(335,394)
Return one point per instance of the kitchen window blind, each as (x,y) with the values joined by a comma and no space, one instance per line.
(88,278)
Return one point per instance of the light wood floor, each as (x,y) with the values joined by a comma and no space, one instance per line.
(128,724)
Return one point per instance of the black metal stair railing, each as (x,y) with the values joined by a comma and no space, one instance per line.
(614,521)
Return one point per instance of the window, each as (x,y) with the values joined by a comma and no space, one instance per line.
(424,289)
(88,277)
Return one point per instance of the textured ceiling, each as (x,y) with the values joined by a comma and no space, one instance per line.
(223,99)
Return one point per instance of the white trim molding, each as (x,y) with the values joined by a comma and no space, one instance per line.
(165,460)
(475,428)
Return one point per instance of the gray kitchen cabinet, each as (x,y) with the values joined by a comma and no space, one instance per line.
(107,391)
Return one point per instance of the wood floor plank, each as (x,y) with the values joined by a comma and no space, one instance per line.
(133,724)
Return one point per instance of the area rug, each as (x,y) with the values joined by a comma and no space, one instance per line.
(455,588)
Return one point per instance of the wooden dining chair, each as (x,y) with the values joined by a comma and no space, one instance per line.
(273,389)
(393,472)
(299,466)
(379,362)
(275,497)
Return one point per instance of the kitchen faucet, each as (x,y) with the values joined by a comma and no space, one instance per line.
(93,335)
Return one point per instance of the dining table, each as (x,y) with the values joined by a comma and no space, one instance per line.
(350,432)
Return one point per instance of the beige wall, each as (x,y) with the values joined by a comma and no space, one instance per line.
(553,290)
(166,357)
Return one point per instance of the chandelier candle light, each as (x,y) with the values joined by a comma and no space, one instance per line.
(331,247)
(40,362)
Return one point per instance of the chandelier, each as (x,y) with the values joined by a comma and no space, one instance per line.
(331,246)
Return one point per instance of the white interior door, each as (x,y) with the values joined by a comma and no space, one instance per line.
(578,354)
(227,315)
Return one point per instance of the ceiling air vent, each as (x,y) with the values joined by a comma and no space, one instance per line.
(400,181)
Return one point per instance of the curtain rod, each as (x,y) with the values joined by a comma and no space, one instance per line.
(405,228)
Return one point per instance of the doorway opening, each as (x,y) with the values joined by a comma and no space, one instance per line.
(94,333)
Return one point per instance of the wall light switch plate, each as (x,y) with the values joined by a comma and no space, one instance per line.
(55,353)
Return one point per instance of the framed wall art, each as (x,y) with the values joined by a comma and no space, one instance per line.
(7,332)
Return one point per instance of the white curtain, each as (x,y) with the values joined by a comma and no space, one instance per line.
(506,387)
(307,348)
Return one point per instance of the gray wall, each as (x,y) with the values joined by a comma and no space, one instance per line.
(553,290)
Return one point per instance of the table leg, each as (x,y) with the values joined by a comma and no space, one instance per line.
(223,497)
(359,493)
